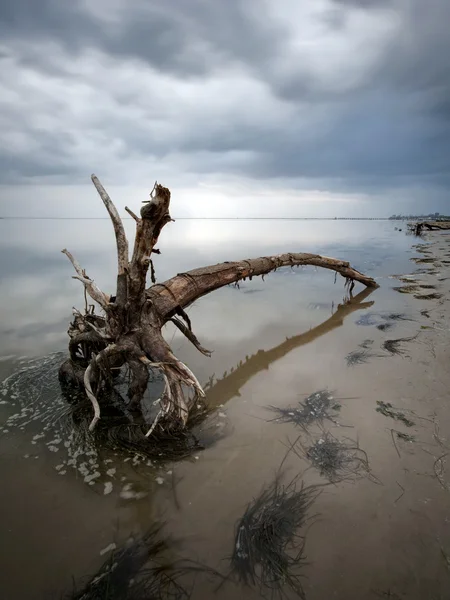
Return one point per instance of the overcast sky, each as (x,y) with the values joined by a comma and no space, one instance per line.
(241,107)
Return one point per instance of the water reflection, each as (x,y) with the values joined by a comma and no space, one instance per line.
(38,291)
(47,510)
(221,390)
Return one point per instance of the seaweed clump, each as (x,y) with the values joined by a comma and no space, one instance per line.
(316,408)
(432,296)
(358,357)
(269,548)
(337,460)
(386,409)
(395,346)
(140,570)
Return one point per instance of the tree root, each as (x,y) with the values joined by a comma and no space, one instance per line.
(129,330)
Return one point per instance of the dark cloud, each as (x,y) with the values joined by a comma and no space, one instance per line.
(350,92)
(366,4)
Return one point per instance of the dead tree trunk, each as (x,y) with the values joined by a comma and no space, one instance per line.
(129,330)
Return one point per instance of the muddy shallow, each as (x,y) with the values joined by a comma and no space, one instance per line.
(274,343)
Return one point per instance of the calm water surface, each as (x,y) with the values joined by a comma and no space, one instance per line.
(57,519)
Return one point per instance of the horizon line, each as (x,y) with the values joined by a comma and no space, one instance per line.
(18,218)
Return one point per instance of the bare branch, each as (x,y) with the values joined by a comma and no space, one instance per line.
(131,213)
(92,398)
(121,238)
(93,290)
(190,336)
(185,288)
(121,243)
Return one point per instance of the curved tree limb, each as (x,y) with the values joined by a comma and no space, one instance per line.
(121,242)
(134,317)
(185,288)
(91,287)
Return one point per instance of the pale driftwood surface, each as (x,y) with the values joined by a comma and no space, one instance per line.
(185,288)
(129,331)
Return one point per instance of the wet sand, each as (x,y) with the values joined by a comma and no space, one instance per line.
(370,540)
(388,539)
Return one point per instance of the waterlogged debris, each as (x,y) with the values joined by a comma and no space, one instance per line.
(382,321)
(337,460)
(420,260)
(395,346)
(269,545)
(359,357)
(404,436)
(316,408)
(366,344)
(432,296)
(407,289)
(385,326)
(368,320)
(386,409)
(398,317)
(144,568)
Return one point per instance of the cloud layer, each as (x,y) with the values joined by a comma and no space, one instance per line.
(333,95)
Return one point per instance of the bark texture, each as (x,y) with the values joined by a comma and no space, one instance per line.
(128,332)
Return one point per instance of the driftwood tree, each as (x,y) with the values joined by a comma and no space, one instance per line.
(128,332)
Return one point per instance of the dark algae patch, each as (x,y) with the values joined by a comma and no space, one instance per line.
(433,296)
(386,409)
(143,569)
(269,545)
(337,460)
(395,346)
(316,408)
(358,357)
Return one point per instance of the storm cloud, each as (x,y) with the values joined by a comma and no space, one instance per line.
(342,96)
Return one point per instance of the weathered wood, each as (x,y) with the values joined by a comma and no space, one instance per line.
(130,330)
(185,288)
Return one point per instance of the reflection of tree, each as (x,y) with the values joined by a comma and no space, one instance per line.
(222,390)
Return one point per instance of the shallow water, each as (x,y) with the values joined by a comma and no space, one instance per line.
(274,342)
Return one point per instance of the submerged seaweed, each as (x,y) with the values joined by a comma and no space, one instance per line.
(395,346)
(386,409)
(366,344)
(406,289)
(381,321)
(316,408)
(337,460)
(141,570)
(269,546)
(358,357)
(432,296)
(419,260)
(385,326)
